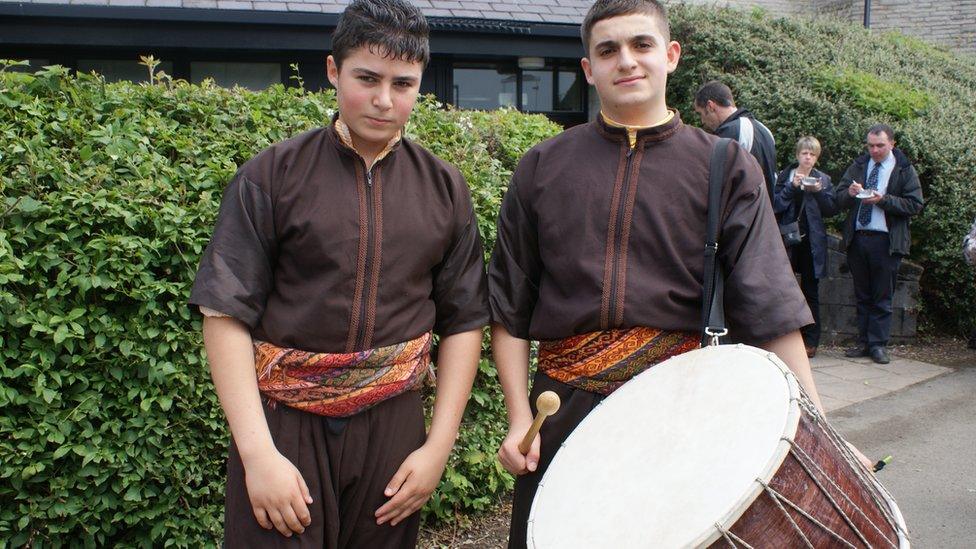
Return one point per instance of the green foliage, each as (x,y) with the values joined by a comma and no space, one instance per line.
(833,80)
(110,431)
(873,93)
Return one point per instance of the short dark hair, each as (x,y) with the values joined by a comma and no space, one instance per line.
(714,91)
(605,9)
(392,28)
(882,128)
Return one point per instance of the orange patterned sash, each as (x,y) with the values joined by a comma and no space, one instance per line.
(340,384)
(600,362)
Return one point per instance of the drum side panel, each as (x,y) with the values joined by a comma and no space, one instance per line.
(811,486)
(666,456)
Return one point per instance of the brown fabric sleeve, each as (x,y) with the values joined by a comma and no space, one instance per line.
(460,285)
(236,273)
(762,298)
(515,268)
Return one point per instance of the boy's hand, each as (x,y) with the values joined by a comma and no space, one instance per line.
(412,484)
(278,493)
(509,455)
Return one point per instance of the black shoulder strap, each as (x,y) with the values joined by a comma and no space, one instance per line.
(713,307)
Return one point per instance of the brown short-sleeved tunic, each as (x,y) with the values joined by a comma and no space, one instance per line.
(594,235)
(314,251)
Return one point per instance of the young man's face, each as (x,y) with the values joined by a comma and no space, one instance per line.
(879,146)
(710,117)
(628,62)
(375,94)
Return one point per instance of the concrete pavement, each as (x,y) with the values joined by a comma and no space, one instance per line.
(843,381)
(929,430)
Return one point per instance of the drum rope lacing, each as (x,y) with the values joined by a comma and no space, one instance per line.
(779,498)
(833,502)
(873,488)
(806,403)
(728,535)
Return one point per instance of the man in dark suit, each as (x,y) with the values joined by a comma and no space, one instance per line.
(716,108)
(880,191)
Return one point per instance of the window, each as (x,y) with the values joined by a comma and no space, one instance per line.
(484,87)
(115,70)
(556,87)
(255,76)
(570,93)
(537,90)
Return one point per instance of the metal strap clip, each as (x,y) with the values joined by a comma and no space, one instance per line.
(715,334)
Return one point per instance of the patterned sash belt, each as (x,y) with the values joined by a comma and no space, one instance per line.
(600,362)
(340,384)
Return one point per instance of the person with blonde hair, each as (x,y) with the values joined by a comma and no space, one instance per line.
(805,195)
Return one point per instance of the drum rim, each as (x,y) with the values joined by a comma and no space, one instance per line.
(741,505)
(901,529)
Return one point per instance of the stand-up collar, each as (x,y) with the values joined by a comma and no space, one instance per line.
(345,138)
(639,136)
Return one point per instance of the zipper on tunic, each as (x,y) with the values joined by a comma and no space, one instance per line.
(618,239)
(368,264)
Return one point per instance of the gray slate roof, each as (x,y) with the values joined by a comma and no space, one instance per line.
(542,11)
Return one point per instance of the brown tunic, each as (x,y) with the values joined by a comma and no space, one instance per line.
(313,251)
(594,235)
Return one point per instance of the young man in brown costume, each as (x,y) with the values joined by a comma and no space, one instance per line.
(335,257)
(600,243)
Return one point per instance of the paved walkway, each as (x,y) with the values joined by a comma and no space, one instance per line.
(844,381)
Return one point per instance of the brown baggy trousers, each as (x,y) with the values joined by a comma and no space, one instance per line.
(575,404)
(346,463)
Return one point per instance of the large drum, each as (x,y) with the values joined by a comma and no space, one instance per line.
(716,447)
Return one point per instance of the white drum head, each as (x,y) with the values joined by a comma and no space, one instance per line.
(671,453)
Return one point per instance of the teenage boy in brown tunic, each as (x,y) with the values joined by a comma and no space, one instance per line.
(600,245)
(336,255)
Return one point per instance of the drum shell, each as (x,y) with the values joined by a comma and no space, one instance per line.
(820,478)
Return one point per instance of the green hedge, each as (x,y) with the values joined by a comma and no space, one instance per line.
(832,80)
(110,431)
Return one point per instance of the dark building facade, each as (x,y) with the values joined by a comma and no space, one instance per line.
(482,58)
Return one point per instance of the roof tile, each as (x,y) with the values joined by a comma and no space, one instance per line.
(522,16)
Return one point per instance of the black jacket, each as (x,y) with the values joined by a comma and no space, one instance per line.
(903,199)
(762,147)
(817,206)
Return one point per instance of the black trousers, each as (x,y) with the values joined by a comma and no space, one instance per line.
(801,256)
(346,464)
(874,270)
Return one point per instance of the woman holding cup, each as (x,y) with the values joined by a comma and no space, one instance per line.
(805,195)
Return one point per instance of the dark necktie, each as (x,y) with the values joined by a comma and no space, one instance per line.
(864,213)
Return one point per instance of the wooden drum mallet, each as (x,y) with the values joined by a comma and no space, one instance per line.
(546,404)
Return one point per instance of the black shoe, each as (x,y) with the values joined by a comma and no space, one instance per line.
(857,352)
(880,355)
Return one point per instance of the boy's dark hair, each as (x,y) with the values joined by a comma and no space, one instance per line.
(394,29)
(878,129)
(605,9)
(714,91)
